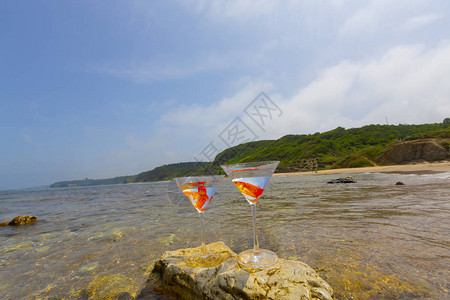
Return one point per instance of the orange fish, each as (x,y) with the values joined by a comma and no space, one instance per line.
(245,170)
(192,184)
(199,198)
(249,190)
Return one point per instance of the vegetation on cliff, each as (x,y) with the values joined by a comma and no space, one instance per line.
(170,171)
(338,148)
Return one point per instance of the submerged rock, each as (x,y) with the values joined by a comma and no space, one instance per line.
(399,183)
(20,220)
(347,179)
(114,286)
(287,279)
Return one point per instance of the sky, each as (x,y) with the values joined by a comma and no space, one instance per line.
(107,88)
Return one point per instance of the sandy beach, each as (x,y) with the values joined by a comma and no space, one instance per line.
(418,168)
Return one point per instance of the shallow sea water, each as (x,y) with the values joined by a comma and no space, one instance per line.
(369,240)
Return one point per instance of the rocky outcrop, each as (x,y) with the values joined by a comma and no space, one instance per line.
(347,179)
(419,150)
(287,279)
(20,220)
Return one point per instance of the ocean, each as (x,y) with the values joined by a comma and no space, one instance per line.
(369,240)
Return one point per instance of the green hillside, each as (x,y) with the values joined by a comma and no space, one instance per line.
(338,148)
(167,172)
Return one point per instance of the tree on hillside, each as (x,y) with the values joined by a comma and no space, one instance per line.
(446,121)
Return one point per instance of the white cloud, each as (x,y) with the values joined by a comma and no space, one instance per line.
(162,69)
(383,16)
(408,84)
(183,131)
(419,21)
(216,116)
(156,70)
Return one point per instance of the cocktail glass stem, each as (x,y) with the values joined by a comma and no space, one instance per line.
(255,234)
(202,219)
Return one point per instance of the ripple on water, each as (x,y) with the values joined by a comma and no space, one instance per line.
(369,240)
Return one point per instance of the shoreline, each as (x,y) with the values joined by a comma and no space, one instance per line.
(417,168)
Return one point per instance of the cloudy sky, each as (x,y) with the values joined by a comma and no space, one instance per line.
(107,88)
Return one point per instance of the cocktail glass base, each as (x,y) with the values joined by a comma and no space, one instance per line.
(206,259)
(257,260)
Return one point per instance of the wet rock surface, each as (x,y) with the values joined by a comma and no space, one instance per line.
(287,279)
(20,221)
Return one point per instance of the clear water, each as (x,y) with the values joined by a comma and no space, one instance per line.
(369,240)
(251,187)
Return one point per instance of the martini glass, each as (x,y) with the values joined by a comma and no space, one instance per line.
(200,190)
(251,180)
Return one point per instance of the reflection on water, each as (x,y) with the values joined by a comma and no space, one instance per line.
(369,240)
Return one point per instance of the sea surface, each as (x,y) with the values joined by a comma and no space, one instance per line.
(369,240)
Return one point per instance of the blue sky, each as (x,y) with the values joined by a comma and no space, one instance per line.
(108,88)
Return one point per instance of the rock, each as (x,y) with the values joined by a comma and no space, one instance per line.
(22,220)
(418,150)
(347,179)
(2,224)
(287,279)
(399,183)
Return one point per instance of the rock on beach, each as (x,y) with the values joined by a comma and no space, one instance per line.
(20,220)
(347,179)
(287,279)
